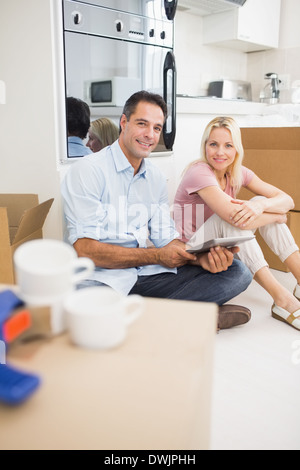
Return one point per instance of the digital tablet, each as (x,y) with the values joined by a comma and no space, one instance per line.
(226,242)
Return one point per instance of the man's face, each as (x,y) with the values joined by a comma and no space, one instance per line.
(140,135)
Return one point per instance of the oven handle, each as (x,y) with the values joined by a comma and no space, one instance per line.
(170,99)
(171,7)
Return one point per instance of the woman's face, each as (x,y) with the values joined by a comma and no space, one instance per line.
(220,151)
(94,143)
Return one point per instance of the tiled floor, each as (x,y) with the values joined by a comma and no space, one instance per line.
(256,398)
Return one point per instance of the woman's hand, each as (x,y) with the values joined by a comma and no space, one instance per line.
(281,219)
(246,212)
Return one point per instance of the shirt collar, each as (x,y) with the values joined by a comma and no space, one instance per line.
(121,161)
(74,139)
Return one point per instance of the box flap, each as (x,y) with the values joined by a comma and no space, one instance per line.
(33,236)
(271,138)
(6,266)
(16,205)
(32,220)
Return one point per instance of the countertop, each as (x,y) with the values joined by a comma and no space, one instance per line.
(206,105)
(253,113)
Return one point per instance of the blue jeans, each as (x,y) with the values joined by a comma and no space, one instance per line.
(194,283)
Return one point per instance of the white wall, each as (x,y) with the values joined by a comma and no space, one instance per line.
(197,64)
(290,31)
(27,120)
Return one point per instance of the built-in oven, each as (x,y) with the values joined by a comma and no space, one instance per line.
(113,48)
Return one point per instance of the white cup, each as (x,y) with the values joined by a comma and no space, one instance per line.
(98,317)
(46,271)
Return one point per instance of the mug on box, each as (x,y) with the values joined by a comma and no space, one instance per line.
(46,270)
(97,317)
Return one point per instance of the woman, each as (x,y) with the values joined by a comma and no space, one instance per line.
(206,207)
(102,132)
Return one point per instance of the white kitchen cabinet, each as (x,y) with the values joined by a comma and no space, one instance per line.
(253,27)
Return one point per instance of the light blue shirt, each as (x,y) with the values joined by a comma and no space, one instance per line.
(76,147)
(105,201)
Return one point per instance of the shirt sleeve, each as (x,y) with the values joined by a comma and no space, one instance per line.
(84,212)
(247,176)
(199,176)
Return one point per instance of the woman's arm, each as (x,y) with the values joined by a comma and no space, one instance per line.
(230,210)
(274,202)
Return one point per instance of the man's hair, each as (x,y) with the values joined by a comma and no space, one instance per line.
(78,117)
(145,96)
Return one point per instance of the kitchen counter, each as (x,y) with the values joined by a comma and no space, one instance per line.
(218,106)
(247,113)
(289,111)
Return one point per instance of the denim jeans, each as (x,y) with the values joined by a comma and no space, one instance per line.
(194,283)
(191,283)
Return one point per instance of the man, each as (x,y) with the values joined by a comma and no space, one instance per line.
(78,123)
(116,200)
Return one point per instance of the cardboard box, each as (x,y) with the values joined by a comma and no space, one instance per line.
(21,219)
(274,155)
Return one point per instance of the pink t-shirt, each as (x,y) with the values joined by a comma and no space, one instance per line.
(190,211)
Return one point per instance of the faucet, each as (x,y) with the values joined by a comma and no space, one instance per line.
(274,87)
(270,93)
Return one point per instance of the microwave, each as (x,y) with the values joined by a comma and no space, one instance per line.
(113,91)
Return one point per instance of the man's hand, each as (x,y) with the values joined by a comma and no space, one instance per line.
(175,255)
(217,260)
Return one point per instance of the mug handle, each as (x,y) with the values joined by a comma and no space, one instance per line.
(86,266)
(138,303)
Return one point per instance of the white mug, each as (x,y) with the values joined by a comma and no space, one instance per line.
(46,271)
(97,317)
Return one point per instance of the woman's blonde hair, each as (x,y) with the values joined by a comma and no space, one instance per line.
(106,131)
(234,171)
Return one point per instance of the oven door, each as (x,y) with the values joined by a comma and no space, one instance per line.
(149,67)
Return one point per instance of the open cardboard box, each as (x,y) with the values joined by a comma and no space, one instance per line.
(274,155)
(21,219)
